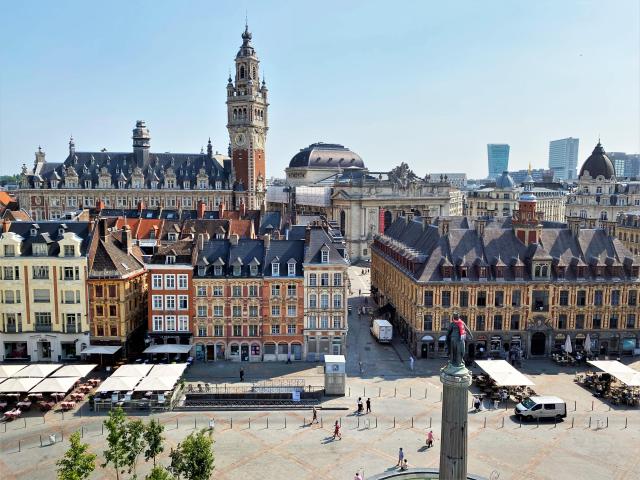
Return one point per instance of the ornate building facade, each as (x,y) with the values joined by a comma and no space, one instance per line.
(628,230)
(124,180)
(515,282)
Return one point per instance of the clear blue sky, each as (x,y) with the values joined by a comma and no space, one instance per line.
(429,83)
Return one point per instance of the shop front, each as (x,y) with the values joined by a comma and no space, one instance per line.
(478,349)
(629,344)
(558,343)
(495,346)
(427,346)
(42,347)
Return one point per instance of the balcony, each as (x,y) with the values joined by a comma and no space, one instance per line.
(71,328)
(13,328)
(43,328)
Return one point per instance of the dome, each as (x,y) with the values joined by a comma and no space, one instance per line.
(528,197)
(505,181)
(326,155)
(598,164)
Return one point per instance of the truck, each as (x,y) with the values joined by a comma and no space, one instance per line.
(382,330)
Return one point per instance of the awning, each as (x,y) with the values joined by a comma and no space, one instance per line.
(53,384)
(38,370)
(168,348)
(172,369)
(7,371)
(19,385)
(443,338)
(74,371)
(625,374)
(100,350)
(503,373)
(427,338)
(118,384)
(132,370)
(157,384)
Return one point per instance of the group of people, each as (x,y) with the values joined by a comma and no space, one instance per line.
(515,355)
(360,408)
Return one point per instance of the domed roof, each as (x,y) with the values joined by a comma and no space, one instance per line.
(598,164)
(505,181)
(326,155)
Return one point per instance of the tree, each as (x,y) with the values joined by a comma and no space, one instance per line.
(153,437)
(117,448)
(77,463)
(159,473)
(135,443)
(193,458)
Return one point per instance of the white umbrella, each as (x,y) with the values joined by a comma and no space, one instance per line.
(587,344)
(567,345)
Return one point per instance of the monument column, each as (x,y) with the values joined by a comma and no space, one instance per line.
(453,445)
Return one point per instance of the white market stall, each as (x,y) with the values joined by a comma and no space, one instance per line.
(75,371)
(38,370)
(157,384)
(503,374)
(622,372)
(616,382)
(55,384)
(19,385)
(101,350)
(119,384)
(161,370)
(132,370)
(8,371)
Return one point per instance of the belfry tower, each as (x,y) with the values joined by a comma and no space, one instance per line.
(247,122)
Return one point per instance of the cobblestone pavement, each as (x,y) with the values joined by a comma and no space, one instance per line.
(595,440)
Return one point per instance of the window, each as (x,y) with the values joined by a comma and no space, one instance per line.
(481,299)
(237,270)
(201,291)
(217,291)
(253,290)
(337,279)
(170,321)
(464,299)
(446,298)
(427,323)
(631,320)
(202,310)
(275,329)
(113,310)
(217,310)
(597,297)
(253,330)
(324,258)
(43,321)
(275,310)
(597,321)
(480,322)
(324,321)
(313,280)
(41,295)
(183,282)
(217,270)
(218,330)
(291,329)
(170,302)
(97,290)
(169,281)
(615,297)
(236,310)
(9,250)
(183,302)
(312,322)
(156,282)
(564,298)
(156,301)
(99,310)
(70,296)
(11,273)
(324,280)
(337,301)
(581,298)
(253,270)
(291,290)
(253,311)
(291,310)
(613,322)
(324,301)
(313,301)
(275,269)
(515,322)
(633,298)
(236,291)
(69,250)
(497,322)
(8,296)
(202,331)
(41,272)
(562,321)
(516,298)
(112,291)
(71,273)
(499,299)
(579,321)
(291,269)
(183,323)
(275,290)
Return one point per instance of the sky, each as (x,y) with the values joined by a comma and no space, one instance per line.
(428,83)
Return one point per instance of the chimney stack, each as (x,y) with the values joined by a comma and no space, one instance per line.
(126,238)
(443,226)
(100,205)
(201,209)
(140,206)
(480,224)
(266,239)
(574,225)
(102,228)
(243,209)
(201,241)
(221,209)
(6,224)
(307,235)
(233,238)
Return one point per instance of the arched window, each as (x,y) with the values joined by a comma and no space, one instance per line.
(603,215)
(241,71)
(244,113)
(253,72)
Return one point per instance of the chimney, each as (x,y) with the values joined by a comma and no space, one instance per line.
(126,238)
(221,209)
(100,205)
(201,241)
(233,238)
(266,239)
(6,224)
(102,228)
(140,206)
(201,209)
(307,235)
(574,225)
(480,224)
(243,209)
(443,226)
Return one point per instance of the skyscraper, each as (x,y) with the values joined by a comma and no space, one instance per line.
(498,156)
(563,158)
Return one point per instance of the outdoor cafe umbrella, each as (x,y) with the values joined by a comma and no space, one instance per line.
(567,345)
(587,344)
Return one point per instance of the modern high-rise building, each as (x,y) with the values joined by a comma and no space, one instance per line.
(563,158)
(498,156)
(625,164)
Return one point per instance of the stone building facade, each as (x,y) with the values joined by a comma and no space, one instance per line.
(628,230)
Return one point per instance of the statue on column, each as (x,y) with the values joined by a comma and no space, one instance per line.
(457,334)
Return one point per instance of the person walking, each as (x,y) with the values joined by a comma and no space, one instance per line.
(368,405)
(242,374)
(360,366)
(411,360)
(404,466)
(476,403)
(400,457)
(358,476)
(430,439)
(315,416)
(360,407)
(336,431)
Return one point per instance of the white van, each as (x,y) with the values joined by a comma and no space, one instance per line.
(541,407)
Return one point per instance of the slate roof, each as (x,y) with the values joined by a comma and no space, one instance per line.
(281,251)
(182,249)
(326,155)
(50,233)
(270,221)
(320,239)
(110,257)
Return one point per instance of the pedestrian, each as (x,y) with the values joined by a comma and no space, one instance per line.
(242,374)
(336,431)
(400,457)
(368,405)
(358,476)
(360,408)
(360,365)
(411,360)
(289,358)
(315,416)
(476,403)
(430,439)
(405,465)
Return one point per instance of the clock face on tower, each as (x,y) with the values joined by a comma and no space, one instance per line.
(240,139)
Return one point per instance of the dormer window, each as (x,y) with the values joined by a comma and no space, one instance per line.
(121,184)
(187,185)
(561,271)
(463,272)
(9,250)
(253,270)
(275,269)
(69,251)
(219,236)
(61,232)
(170,184)
(203,184)
(87,184)
(237,270)
(173,237)
(291,269)
(324,255)
(171,259)
(33,232)
(202,271)
(541,270)
(40,249)
(217,270)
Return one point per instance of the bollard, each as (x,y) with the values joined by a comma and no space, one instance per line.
(425,393)
(379,391)
(304,422)
(102,433)
(409,392)
(485,422)
(321,423)
(394,422)
(195,423)
(41,440)
(555,422)
(589,422)
(520,418)
(25,422)
(607,426)
(502,422)
(250,422)
(358,422)
(430,418)
(340,421)
(267,422)
(575,405)
(376,422)
(81,431)
(411,422)
(43,419)
(19,445)
(349,391)
(538,422)
(572,420)
(62,414)
(440,396)
(592,405)
(625,422)
(62,435)
(364,391)
(285,421)
(231,421)
(177,423)
(395,391)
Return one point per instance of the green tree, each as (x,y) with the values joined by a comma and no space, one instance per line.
(159,473)
(117,448)
(193,458)
(135,443)
(77,463)
(154,439)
